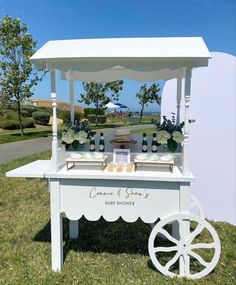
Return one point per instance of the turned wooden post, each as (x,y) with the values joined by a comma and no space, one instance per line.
(185,151)
(72,111)
(54,121)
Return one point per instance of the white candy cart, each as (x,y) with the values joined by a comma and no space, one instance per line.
(159,197)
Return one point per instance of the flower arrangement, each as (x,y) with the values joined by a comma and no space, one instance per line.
(76,135)
(170,134)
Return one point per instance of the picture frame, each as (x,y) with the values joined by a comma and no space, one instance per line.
(121,156)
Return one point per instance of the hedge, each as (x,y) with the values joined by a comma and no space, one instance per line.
(66,116)
(13,124)
(29,109)
(25,114)
(101,119)
(92,111)
(41,118)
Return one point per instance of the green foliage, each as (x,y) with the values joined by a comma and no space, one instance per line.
(65,115)
(91,118)
(41,118)
(29,109)
(13,124)
(102,119)
(99,111)
(100,93)
(17,76)
(148,95)
(24,114)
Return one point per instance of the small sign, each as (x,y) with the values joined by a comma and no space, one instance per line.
(121,156)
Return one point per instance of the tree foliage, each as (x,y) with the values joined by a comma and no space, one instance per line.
(148,95)
(17,76)
(100,94)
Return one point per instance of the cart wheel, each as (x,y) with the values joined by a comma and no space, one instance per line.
(188,256)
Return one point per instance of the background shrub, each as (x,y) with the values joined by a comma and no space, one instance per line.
(28,123)
(65,116)
(91,118)
(29,109)
(41,118)
(89,111)
(13,124)
(102,119)
(25,114)
(10,124)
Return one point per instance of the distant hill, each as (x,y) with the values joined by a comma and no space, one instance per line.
(60,105)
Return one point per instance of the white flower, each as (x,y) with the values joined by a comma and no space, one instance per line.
(81,136)
(162,137)
(68,137)
(177,136)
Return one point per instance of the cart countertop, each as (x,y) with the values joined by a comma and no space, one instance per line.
(74,173)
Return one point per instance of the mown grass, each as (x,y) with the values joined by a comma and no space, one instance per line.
(105,253)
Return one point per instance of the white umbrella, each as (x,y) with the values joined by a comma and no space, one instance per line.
(110,105)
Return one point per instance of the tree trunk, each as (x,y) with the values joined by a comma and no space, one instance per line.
(141,115)
(20,118)
(96,114)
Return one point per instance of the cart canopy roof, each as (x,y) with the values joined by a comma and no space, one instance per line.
(104,60)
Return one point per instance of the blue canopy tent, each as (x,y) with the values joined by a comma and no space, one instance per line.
(122,106)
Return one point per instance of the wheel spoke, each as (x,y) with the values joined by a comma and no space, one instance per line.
(165,249)
(172,261)
(181,230)
(203,245)
(199,258)
(196,232)
(168,236)
(186,265)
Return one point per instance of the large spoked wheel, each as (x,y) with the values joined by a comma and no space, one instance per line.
(193,253)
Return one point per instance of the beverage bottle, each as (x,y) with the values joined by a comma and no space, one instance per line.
(101,143)
(144,143)
(92,143)
(154,143)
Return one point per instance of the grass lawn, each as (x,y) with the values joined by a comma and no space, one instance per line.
(105,253)
(31,133)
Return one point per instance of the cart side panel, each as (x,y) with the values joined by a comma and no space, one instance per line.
(127,199)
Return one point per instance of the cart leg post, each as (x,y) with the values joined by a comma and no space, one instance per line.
(184,208)
(56,227)
(74,229)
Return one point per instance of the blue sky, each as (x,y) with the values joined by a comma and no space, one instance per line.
(214,20)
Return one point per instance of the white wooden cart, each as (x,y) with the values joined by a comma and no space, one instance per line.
(149,195)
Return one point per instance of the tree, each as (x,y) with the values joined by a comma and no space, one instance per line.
(100,93)
(16,72)
(148,95)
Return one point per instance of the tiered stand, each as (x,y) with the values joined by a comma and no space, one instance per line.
(153,195)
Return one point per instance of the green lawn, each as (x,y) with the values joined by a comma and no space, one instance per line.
(31,133)
(105,253)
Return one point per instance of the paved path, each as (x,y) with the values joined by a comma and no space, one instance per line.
(14,150)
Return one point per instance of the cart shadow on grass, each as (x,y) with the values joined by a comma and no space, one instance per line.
(101,236)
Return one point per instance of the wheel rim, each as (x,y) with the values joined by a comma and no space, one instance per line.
(184,246)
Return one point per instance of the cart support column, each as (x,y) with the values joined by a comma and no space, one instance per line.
(179,93)
(72,111)
(185,151)
(184,205)
(56,227)
(54,121)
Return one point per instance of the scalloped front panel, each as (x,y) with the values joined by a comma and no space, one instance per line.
(114,199)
